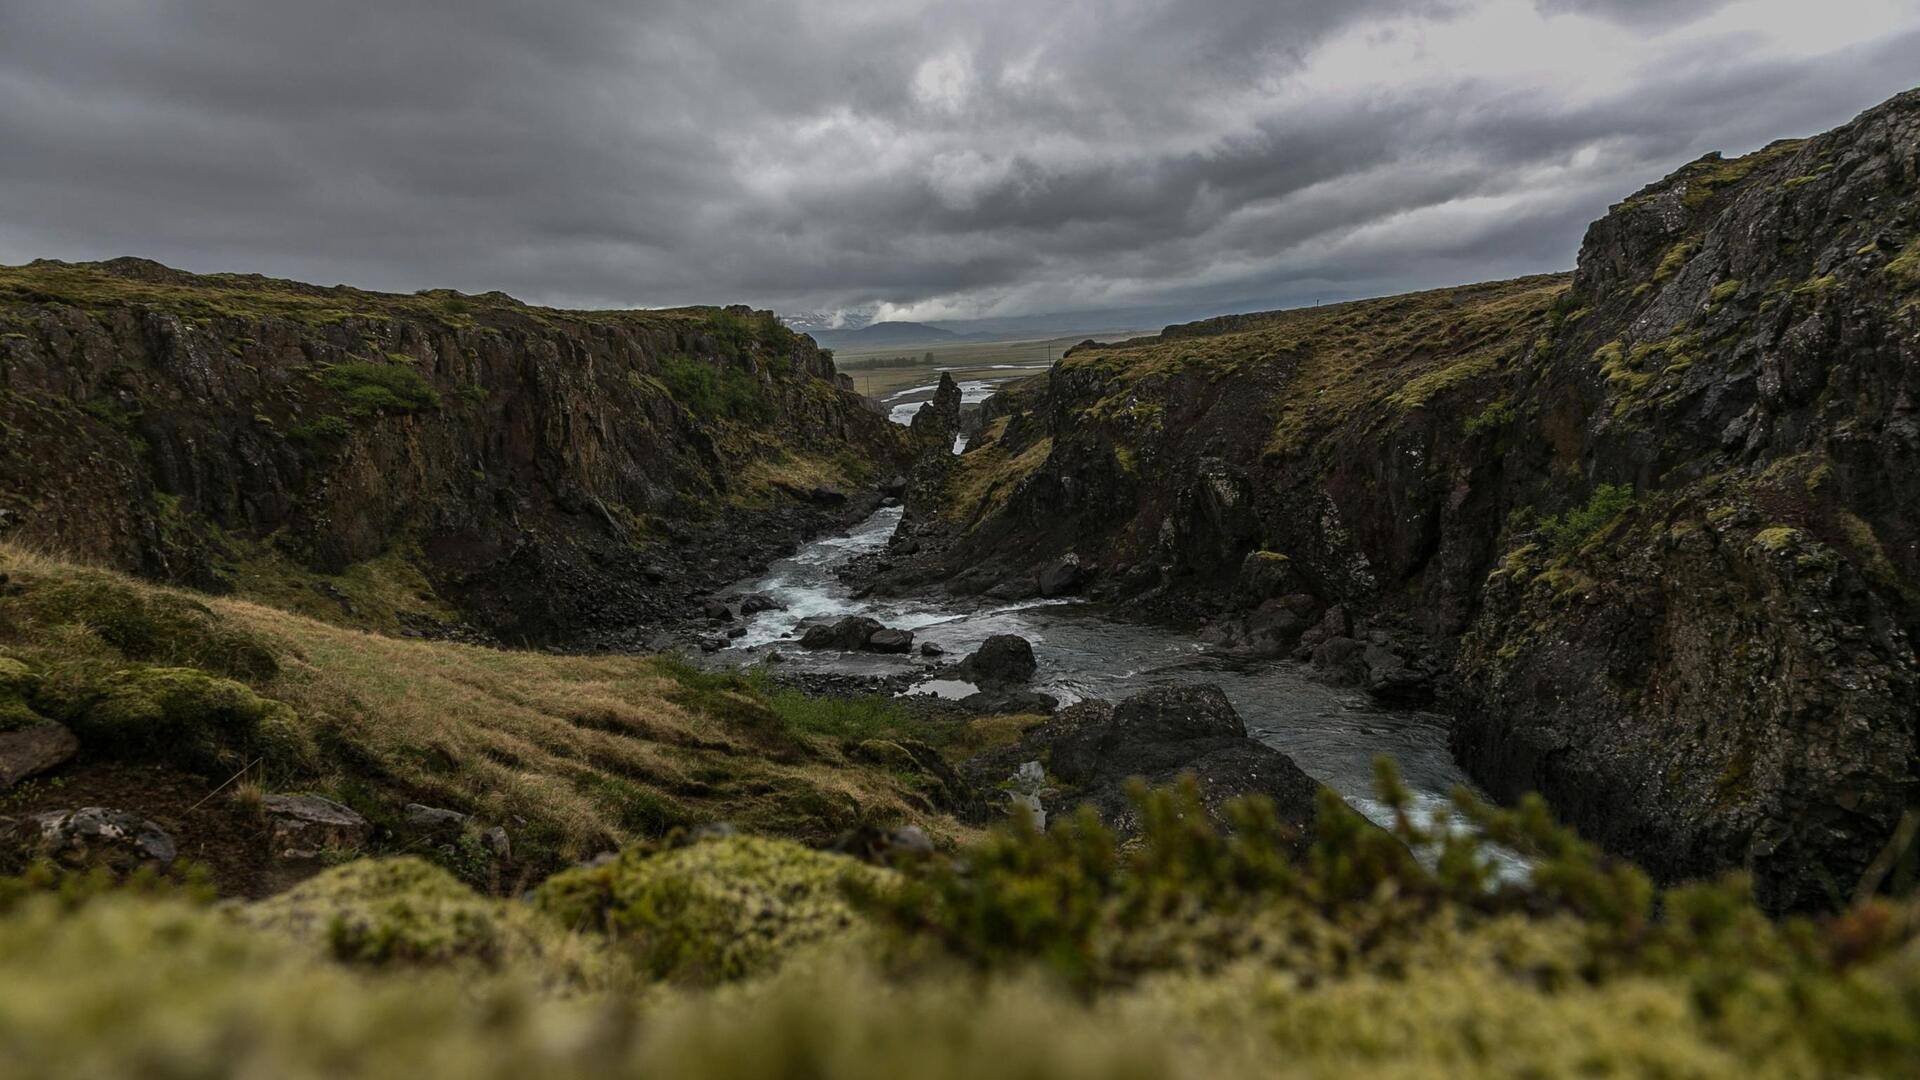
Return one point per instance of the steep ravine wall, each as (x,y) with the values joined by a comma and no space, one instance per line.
(550,474)
(1650,530)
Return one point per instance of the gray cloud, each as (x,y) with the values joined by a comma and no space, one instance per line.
(996,157)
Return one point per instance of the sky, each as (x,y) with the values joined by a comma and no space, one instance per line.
(893,158)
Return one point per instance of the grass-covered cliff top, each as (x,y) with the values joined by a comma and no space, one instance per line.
(575,754)
(1324,365)
(143,283)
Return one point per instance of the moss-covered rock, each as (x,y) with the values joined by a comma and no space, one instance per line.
(177,715)
(17,681)
(147,625)
(405,910)
(716,910)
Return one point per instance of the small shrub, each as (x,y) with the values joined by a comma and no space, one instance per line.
(1570,530)
(712,911)
(372,389)
(1492,419)
(715,391)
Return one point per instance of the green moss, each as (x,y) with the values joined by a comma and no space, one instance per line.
(1906,265)
(177,715)
(1778,538)
(405,911)
(1725,291)
(1816,286)
(1676,257)
(17,682)
(715,391)
(1569,531)
(375,389)
(716,910)
(1492,419)
(124,620)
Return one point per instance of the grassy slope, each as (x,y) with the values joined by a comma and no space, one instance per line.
(590,751)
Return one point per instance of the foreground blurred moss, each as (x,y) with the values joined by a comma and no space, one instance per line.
(1056,954)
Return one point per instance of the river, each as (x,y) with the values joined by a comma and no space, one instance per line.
(1084,652)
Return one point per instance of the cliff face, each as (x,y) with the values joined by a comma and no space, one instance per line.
(553,474)
(1650,528)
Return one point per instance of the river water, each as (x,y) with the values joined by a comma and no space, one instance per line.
(1332,733)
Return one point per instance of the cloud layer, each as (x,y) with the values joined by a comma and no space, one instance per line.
(940,161)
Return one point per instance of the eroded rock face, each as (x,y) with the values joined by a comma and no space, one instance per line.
(513,448)
(1716,670)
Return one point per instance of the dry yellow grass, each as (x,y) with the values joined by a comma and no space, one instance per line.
(588,751)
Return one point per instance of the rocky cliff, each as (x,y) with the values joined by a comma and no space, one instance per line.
(422,460)
(1651,529)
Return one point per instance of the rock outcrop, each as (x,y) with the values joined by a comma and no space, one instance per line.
(545,475)
(1095,749)
(1650,529)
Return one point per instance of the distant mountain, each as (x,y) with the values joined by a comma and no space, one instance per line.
(815,322)
(887,334)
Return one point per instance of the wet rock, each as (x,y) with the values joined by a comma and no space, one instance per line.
(1001,660)
(736,632)
(1164,733)
(755,603)
(895,486)
(1063,576)
(848,634)
(99,836)
(716,611)
(303,826)
(890,641)
(932,648)
(31,750)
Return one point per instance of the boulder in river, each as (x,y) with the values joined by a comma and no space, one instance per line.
(847,634)
(1001,660)
(890,641)
(1095,748)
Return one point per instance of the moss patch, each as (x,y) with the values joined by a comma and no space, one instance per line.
(717,910)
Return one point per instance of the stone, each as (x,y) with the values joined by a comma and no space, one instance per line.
(497,843)
(420,816)
(910,839)
(100,836)
(755,603)
(890,641)
(302,826)
(931,648)
(716,611)
(1167,732)
(1001,660)
(32,750)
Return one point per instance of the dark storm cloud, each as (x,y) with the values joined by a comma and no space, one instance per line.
(994,157)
